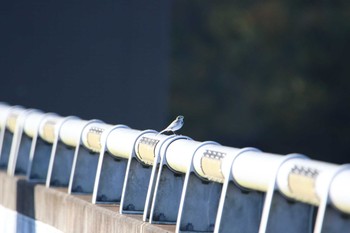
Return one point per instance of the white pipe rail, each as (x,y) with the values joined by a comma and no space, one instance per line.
(32,123)
(93,135)
(47,128)
(147,146)
(339,192)
(179,154)
(4,111)
(304,180)
(254,170)
(13,117)
(70,131)
(120,143)
(300,179)
(214,161)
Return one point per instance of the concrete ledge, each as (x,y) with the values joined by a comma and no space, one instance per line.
(69,213)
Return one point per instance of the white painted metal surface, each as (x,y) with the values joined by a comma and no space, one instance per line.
(148,145)
(70,131)
(300,179)
(213,161)
(304,180)
(47,128)
(339,192)
(32,122)
(12,117)
(93,134)
(4,111)
(15,123)
(120,142)
(254,170)
(180,153)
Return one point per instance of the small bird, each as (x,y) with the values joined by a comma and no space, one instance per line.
(174,126)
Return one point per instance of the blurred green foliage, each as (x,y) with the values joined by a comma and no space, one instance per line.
(268,74)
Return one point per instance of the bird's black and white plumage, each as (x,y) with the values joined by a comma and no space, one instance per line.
(174,126)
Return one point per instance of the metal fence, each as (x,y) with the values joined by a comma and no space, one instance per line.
(199,186)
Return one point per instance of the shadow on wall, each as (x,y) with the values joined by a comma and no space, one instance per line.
(25,205)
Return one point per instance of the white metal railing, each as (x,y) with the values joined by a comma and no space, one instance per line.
(174,179)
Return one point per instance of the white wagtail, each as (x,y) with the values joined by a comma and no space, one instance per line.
(174,126)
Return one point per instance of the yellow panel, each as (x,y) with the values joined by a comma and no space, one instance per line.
(211,165)
(49,131)
(94,139)
(146,150)
(301,183)
(12,121)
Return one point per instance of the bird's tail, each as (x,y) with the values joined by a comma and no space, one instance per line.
(161,132)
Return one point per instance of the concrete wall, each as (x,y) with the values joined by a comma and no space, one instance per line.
(39,209)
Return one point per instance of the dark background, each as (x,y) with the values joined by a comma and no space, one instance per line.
(94,59)
(272,75)
(268,74)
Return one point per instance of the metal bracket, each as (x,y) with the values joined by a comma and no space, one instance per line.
(199,202)
(84,168)
(61,161)
(164,193)
(38,160)
(237,205)
(39,157)
(137,178)
(110,174)
(21,163)
(20,148)
(60,165)
(83,171)
(278,212)
(6,147)
(328,219)
(3,118)
(6,138)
